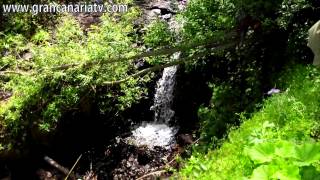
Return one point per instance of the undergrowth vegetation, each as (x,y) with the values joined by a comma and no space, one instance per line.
(278,142)
(244,133)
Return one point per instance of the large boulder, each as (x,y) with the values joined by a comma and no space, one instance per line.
(314,42)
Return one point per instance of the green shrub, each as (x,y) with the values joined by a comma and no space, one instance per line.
(158,34)
(204,19)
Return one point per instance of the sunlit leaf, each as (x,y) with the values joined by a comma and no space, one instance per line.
(261,153)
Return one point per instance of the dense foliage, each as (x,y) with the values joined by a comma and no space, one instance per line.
(284,129)
(279,141)
(275,36)
(51,66)
(36,72)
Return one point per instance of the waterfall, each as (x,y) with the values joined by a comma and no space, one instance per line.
(164,96)
(159,133)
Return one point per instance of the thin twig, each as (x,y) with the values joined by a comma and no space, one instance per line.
(12,72)
(74,165)
(152,173)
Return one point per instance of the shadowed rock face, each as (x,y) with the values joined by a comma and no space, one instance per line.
(314,42)
(163,9)
(88,19)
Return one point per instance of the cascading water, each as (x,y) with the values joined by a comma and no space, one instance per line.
(159,133)
(164,96)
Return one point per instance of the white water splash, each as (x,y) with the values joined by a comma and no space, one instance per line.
(152,135)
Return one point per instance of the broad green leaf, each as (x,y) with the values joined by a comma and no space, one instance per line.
(276,171)
(287,172)
(285,149)
(307,153)
(261,153)
(263,172)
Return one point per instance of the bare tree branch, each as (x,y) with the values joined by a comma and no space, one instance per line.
(158,67)
(142,73)
(58,166)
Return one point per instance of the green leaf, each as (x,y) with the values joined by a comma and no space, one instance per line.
(287,172)
(285,149)
(307,153)
(263,172)
(195,174)
(283,171)
(261,153)
(203,167)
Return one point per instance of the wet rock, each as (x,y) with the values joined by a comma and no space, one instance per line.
(184,139)
(50,174)
(154,13)
(166,16)
(144,156)
(97,1)
(87,20)
(141,160)
(164,6)
(141,64)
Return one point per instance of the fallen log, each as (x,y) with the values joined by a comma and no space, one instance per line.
(59,167)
